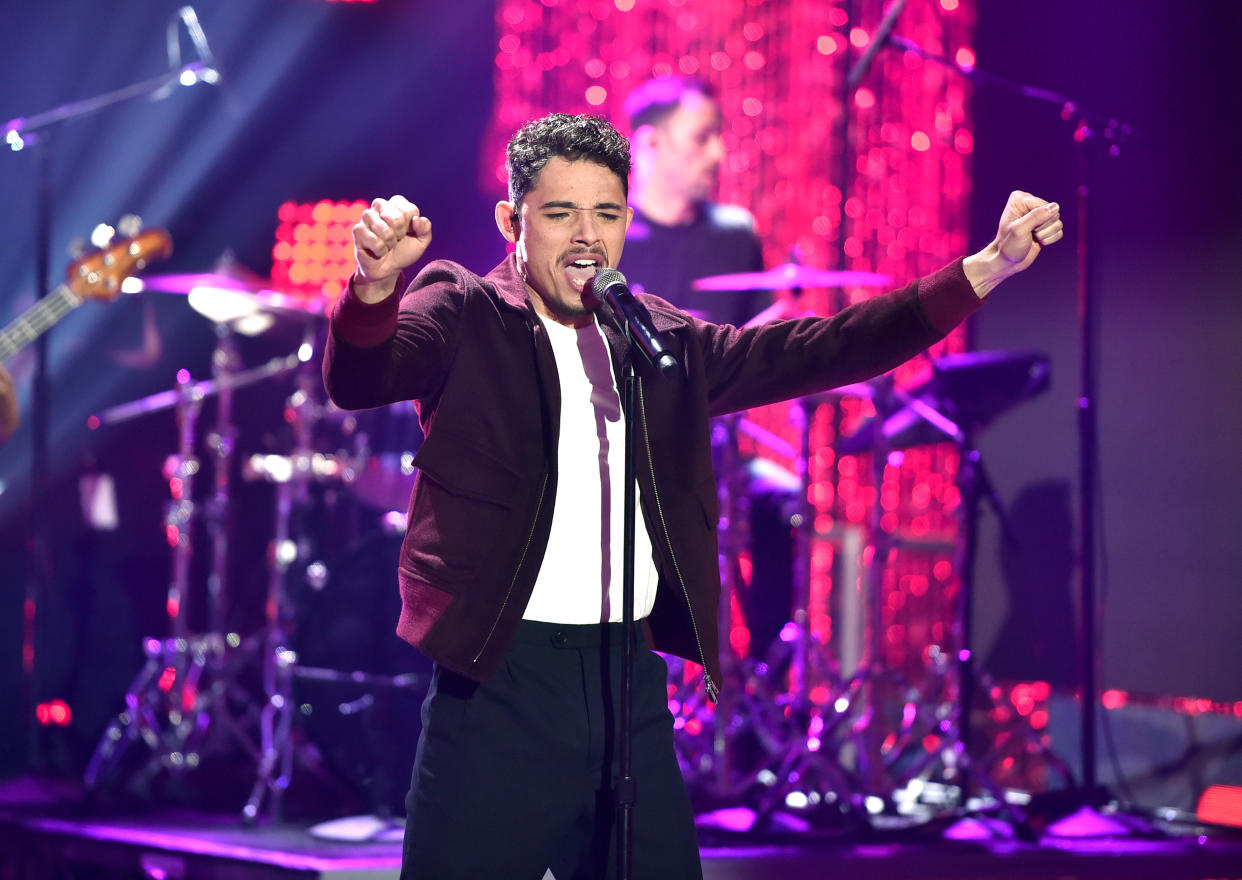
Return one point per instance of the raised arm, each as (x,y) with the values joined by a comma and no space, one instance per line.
(368,361)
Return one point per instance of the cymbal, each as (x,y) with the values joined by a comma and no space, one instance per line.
(791,276)
(248,304)
(966,392)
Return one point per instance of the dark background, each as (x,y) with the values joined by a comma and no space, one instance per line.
(336,100)
(1169,313)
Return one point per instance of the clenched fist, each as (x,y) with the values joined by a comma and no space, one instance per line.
(390,235)
(1027,225)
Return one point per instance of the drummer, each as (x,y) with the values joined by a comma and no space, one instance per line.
(679,234)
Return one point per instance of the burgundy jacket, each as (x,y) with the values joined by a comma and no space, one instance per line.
(474,357)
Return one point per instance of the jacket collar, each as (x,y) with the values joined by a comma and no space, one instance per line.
(509,284)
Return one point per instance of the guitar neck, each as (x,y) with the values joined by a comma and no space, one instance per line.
(37,320)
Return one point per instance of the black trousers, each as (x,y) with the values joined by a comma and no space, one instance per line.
(515,776)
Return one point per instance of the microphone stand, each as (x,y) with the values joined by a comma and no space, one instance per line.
(626,787)
(626,790)
(1090,130)
(19,133)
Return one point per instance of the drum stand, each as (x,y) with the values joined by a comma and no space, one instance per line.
(724,747)
(851,759)
(292,475)
(813,775)
(192,684)
(189,683)
(954,749)
(276,747)
(280,742)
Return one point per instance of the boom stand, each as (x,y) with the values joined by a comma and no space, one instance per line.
(1090,131)
(20,133)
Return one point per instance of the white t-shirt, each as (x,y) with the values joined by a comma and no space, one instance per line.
(580,579)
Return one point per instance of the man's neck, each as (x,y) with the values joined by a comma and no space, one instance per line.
(665,208)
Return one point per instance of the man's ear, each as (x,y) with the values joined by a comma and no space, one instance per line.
(644,137)
(507,220)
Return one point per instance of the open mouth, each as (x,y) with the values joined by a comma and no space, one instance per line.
(582,268)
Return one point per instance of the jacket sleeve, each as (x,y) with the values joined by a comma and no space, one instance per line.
(785,359)
(381,353)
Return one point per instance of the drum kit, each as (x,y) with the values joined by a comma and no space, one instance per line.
(204,690)
(798,734)
(798,739)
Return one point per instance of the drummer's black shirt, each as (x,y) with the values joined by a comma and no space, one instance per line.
(721,240)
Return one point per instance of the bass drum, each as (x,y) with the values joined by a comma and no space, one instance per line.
(385,441)
(359,687)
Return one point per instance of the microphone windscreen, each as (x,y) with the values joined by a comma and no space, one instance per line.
(606,278)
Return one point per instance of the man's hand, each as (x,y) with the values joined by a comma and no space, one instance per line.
(9,417)
(1027,225)
(389,236)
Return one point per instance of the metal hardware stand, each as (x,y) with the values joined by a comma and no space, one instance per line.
(280,742)
(189,683)
(953,730)
(276,716)
(745,732)
(810,774)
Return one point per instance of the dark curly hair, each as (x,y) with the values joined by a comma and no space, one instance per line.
(570,137)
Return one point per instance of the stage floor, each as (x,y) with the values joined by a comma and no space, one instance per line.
(58,837)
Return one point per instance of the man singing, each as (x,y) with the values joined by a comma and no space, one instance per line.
(511,567)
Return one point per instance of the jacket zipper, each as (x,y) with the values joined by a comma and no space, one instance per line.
(713,692)
(521,561)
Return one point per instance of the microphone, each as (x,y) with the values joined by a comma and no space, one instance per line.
(632,318)
(877,43)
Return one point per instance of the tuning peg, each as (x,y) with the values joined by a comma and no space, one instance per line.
(129,225)
(76,248)
(102,235)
